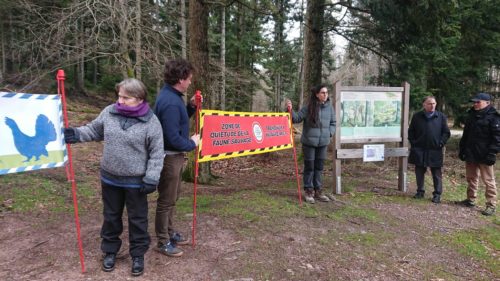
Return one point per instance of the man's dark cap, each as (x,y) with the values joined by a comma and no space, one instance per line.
(481,96)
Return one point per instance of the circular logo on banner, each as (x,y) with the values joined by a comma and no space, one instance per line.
(257,132)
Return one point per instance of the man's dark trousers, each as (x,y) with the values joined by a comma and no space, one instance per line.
(437,179)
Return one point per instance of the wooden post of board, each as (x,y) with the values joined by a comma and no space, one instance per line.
(403,161)
(337,186)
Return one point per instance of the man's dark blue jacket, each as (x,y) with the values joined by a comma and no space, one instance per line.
(174,115)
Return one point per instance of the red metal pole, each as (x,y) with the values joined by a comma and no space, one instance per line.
(197,99)
(60,88)
(295,156)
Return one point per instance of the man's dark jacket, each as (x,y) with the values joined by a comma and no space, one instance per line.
(427,137)
(481,135)
(174,115)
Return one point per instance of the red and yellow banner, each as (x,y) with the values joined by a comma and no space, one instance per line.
(232,134)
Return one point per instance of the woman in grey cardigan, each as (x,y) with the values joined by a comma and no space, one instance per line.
(318,128)
(130,168)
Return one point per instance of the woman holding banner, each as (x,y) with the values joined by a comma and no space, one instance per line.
(130,168)
(318,128)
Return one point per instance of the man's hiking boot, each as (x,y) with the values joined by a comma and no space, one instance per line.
(137,266)
(467,203)
(489,211)
(436,199)
(179,239)
(108,263)
(331,196)
(318,195)
(169,249)
(418,195)
(309,196)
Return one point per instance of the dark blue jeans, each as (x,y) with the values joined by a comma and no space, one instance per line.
(314,159)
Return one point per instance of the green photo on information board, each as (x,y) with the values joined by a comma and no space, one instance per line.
(370,115)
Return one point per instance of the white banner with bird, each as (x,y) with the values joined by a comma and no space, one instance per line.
(30,132)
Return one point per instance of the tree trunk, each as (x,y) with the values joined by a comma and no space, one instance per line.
(81,70)
(159,80)
(223,59)
(240,32)
(2,40)
(138,44)
(313,48)
(12,67)
(80,65)
(182,22)
(96,71)
(198,46)
(300,65)
(278,55)
(124,25)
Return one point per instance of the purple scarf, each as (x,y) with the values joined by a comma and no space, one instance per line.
(132,111)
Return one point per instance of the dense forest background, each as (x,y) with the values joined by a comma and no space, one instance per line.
(241,49)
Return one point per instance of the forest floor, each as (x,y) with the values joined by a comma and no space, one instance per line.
(250,225)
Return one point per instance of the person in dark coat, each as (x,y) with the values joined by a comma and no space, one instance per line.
(479,146)
(428,134)
(318,129)
(174,115)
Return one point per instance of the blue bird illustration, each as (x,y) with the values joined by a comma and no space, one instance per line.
(33,146)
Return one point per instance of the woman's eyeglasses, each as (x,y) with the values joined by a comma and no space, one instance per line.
(125,97)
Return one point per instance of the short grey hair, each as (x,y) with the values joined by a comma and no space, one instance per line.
(428,97)
(133,87)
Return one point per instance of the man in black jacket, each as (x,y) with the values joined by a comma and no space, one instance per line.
(478,148)
(428,133)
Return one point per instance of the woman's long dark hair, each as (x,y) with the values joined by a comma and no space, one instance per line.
(313,106)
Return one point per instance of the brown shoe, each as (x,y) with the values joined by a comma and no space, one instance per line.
(489,211)
(331,196)
(309,196)
(318,195)
(467,203)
